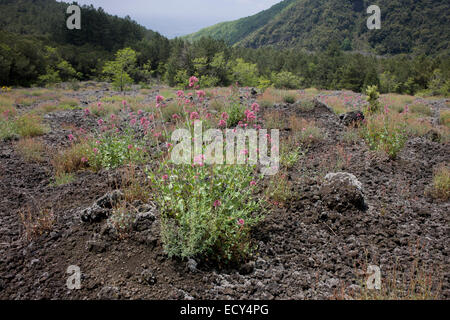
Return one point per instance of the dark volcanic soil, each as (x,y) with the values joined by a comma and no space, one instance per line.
(305,250)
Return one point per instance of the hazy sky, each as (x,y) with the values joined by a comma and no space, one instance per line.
(179,17)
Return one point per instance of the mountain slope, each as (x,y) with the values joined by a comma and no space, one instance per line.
(47,18)
(234,31)
(407,26)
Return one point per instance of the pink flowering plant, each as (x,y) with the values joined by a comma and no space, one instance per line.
(111,147)
(207,211)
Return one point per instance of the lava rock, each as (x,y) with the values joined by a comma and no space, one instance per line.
(109,200)
(94,214)
(144,221)
(352,118)
(192,265)
(247,268)
(148,277)
(342,191)
(101,208)
(96,246)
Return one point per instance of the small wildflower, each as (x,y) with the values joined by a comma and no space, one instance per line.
(225,116)
(194,115)
(201,93)
(217,203)
(241,222)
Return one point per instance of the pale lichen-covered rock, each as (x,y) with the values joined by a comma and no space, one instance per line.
(342,191)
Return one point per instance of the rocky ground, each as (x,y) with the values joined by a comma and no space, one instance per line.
(317,245)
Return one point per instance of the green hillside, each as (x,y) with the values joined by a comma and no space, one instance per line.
(407,26)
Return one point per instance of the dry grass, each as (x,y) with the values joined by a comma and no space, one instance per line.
(30,125)
(63,179)
(271,96)
(36,221)
(306,131)
(279,188)
(7,109)
(420,109)
(170,109)
(308,94)
(31,149)
(396,102)
(351,136)
(105,109)
(274,120)
(419,283)
(444,118)
(70,160)
(134,185)
(168,93)
(441,182)
(70,102)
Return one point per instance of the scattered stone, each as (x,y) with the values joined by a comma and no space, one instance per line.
(101,208)
(109,200)
(144,221)
(192,265)
(94,214)
(352,118)
(34,262)
(342,191)
(247,268)
(109,293)
(96,246)
(148,277)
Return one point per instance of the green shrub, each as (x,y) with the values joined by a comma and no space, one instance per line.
(119,69)
(236,113)
(286,80)
(372,98)
(289,99)
(112,150)
(384,133)
(207,211)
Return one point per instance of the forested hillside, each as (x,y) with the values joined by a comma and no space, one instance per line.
(36,48)
(30,28)
(408,26)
